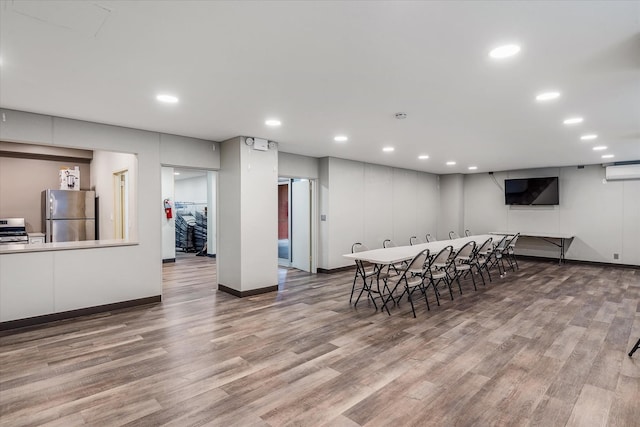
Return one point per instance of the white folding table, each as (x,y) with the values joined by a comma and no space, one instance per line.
(387,256)
(556,239)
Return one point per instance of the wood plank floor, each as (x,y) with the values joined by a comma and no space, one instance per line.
(544,346)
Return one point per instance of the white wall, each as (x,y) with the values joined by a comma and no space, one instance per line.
(103,166)
(168,225)
(296,166)
(370,203)
(604,216)
(181,151)
(191,190)
(451,214)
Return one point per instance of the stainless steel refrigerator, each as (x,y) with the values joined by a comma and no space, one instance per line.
(69,215)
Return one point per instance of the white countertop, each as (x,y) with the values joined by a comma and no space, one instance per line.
(64,246)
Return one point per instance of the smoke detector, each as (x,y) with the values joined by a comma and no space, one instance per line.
(401,116)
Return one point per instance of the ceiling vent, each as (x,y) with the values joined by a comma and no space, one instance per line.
(616,173)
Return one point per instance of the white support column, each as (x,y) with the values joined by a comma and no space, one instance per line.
(248,219)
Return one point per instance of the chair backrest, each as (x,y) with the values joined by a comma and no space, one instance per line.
(466,251)
(442,258)
(453,235)
(502,244)
(358,247)
(430,238)
(388,244)
(485,247)
(419,262)
(467,233)
(512,242)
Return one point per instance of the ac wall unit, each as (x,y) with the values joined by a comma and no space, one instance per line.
(615,173)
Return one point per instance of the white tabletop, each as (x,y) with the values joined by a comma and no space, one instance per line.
(535,234)
(403,253)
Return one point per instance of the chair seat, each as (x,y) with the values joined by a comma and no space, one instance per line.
(463,267)
(438,274)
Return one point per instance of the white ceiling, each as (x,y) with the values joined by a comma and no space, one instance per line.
(327,68)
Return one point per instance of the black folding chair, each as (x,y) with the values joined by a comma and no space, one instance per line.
(462,263)
(438,271)
(371,275)
(413,278)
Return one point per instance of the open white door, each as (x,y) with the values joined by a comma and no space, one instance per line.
(301,224)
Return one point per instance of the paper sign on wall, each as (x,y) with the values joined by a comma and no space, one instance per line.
(70,178)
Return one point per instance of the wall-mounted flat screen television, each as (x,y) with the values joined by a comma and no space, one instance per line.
(531,191)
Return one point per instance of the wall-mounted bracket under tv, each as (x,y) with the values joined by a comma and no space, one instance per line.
(531,191)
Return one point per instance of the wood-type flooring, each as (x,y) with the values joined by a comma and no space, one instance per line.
(544,346)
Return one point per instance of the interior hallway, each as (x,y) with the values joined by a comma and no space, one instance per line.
(544,346)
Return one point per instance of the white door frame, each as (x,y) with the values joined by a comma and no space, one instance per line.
(121,204)
(314,220)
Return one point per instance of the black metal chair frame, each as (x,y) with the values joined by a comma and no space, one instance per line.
(413,277)
(368,278)
(486,257)
(440,269)
(510,252)
(467,261)
(372,287)
(635,347)
(497,255)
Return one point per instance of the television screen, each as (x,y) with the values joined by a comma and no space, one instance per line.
(531,191)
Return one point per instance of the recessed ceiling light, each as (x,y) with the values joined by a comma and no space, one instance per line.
(273,122)
(451,163)
(169,99)
(423,157)
(472,168)
(388,149)
(176,173)
(607,156)
(504,51)
(600,148)
(548,96)
(340,138)
(573,121)
(588,137)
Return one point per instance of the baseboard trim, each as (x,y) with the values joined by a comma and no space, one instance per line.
(335,270)
(11,326)
(250,292)
(577,261)
(211,255)
(168,260)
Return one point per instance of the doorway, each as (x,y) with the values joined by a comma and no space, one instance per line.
(191,228)
(121,204)
(295,223)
